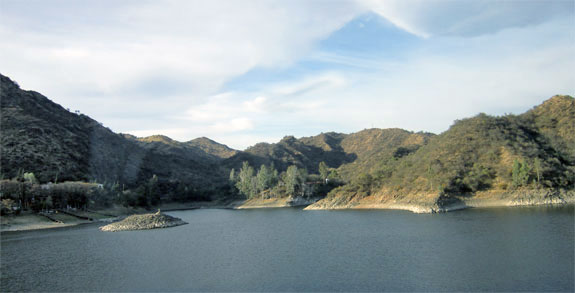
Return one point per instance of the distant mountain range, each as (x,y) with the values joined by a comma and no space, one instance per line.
(476,155)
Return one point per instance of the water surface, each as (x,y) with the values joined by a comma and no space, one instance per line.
(507,249)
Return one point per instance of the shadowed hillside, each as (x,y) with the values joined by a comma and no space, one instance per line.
(349,153)
(42,137)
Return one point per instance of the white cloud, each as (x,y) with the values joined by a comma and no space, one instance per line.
(427,18)
(124,50)
(158,67)
(311,83)
(236,124)
(255,105)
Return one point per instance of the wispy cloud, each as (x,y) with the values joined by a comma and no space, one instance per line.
(428,18)
(162,67)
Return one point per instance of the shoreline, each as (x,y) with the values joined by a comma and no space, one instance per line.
(33,222)
(419,209)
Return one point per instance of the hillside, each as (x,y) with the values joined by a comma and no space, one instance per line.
(350,154)
(42,137)
(554,120)
(507,159)
(211,147)
(500,156)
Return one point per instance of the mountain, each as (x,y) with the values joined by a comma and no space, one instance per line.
(212,148)
(554,120)
(477,158)
(350,154)
(482,160)
(55,144)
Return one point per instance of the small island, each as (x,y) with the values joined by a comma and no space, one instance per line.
(144,222)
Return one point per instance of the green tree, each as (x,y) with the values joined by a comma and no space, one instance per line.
(245,182)
(30,177)
(537,167)
(294,180)
(333,176)
(364,182)
(520,173)
(478,178)
(274,175)
(323,171)
(264,178)
(291,180)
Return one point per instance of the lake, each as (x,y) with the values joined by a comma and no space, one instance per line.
(288,249)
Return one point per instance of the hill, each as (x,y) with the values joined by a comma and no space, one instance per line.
(502,157)
(350,154)
(512,159)
(212,148)
(55,144)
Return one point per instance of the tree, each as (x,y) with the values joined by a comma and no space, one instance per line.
(244,182)
(264,178)
(30,177)
(520,173)
(364,183)
(537,167)
(290,180)
(478,178)
(333,176)
(274,175)
(323,171)
(294,179)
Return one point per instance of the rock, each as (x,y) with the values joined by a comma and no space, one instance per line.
(144,222)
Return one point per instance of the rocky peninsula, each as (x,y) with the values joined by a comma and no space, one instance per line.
(144,222)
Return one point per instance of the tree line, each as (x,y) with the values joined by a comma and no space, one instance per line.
(267,182)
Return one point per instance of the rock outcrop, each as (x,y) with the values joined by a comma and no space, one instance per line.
(144,222)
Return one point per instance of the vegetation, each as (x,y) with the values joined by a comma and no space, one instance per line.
(56,145)
(268,183)
(478,154)
(43,144)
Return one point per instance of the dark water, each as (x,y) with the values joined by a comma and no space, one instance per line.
(509,249)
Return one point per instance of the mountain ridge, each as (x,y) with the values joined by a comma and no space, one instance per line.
(378,167)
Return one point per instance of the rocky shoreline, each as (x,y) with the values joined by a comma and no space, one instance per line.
(144,222)
(421,204)
(434,204)
(284,202)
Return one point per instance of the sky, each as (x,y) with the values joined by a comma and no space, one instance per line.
(243,72)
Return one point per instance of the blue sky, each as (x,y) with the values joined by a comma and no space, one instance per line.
(242,72)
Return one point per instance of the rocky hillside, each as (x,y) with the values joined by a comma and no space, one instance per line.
(477,156)
(350,154)
(55,144)
(211,148)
